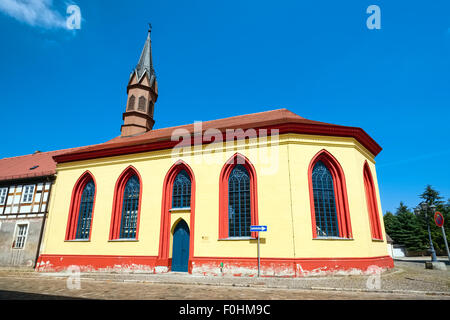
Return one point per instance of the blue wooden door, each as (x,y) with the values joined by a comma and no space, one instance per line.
(180,252)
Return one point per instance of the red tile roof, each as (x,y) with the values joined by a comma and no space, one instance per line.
(282,119)
(20,167)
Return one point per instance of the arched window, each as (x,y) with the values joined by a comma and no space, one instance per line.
(238,205)
(126,206)
(239,218)
(330,214)
(372,206)
(85,213)
(324,202)
(142,103)
(130,209)
(131,102)
(181,195)
(81,208)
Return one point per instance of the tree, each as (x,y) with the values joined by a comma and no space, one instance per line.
(410,230)
(432,197)
(404,227)
(390,223)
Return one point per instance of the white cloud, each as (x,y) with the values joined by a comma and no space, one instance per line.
(37,13)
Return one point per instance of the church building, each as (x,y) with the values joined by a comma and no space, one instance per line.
(184,198)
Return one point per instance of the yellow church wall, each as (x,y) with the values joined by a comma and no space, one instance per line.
(106,175)
(351,157)
(283,201)
(273,200)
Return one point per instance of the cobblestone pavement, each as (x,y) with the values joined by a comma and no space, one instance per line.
(408,280)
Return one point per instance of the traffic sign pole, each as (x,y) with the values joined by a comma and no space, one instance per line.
(258,229)
(445,241)
(439,220)
(259,257)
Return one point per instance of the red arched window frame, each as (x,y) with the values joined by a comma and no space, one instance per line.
(223,193)
(118,202)
(166,205)
(74,208)
(340,193)
(372,205)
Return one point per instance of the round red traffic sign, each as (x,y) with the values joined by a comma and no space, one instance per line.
(439,219)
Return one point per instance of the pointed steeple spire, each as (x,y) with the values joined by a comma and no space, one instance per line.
(142,93)
(145,64)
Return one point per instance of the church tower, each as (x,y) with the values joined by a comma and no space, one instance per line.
(142,93)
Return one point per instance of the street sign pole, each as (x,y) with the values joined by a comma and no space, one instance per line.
(258,229)
(445,241)
(259,257)
(439,220)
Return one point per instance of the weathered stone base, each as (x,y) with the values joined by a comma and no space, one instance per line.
(245,267)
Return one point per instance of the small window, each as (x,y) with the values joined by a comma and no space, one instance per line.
(131,103)
(27,194)
(3,193)
(21,236)
(142,103)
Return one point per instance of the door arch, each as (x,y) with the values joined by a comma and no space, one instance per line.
(166,226)
(180,247)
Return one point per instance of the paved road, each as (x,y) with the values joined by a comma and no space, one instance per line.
(408,280)
(30,285)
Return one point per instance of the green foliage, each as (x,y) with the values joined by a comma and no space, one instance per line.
(431,196)
(404,227)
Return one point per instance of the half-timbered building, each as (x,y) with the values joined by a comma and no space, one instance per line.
(25,186)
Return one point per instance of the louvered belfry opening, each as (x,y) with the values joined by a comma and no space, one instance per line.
(131,102)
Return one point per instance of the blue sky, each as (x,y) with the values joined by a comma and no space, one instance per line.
(64,88)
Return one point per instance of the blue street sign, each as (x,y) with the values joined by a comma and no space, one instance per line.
(258,228)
